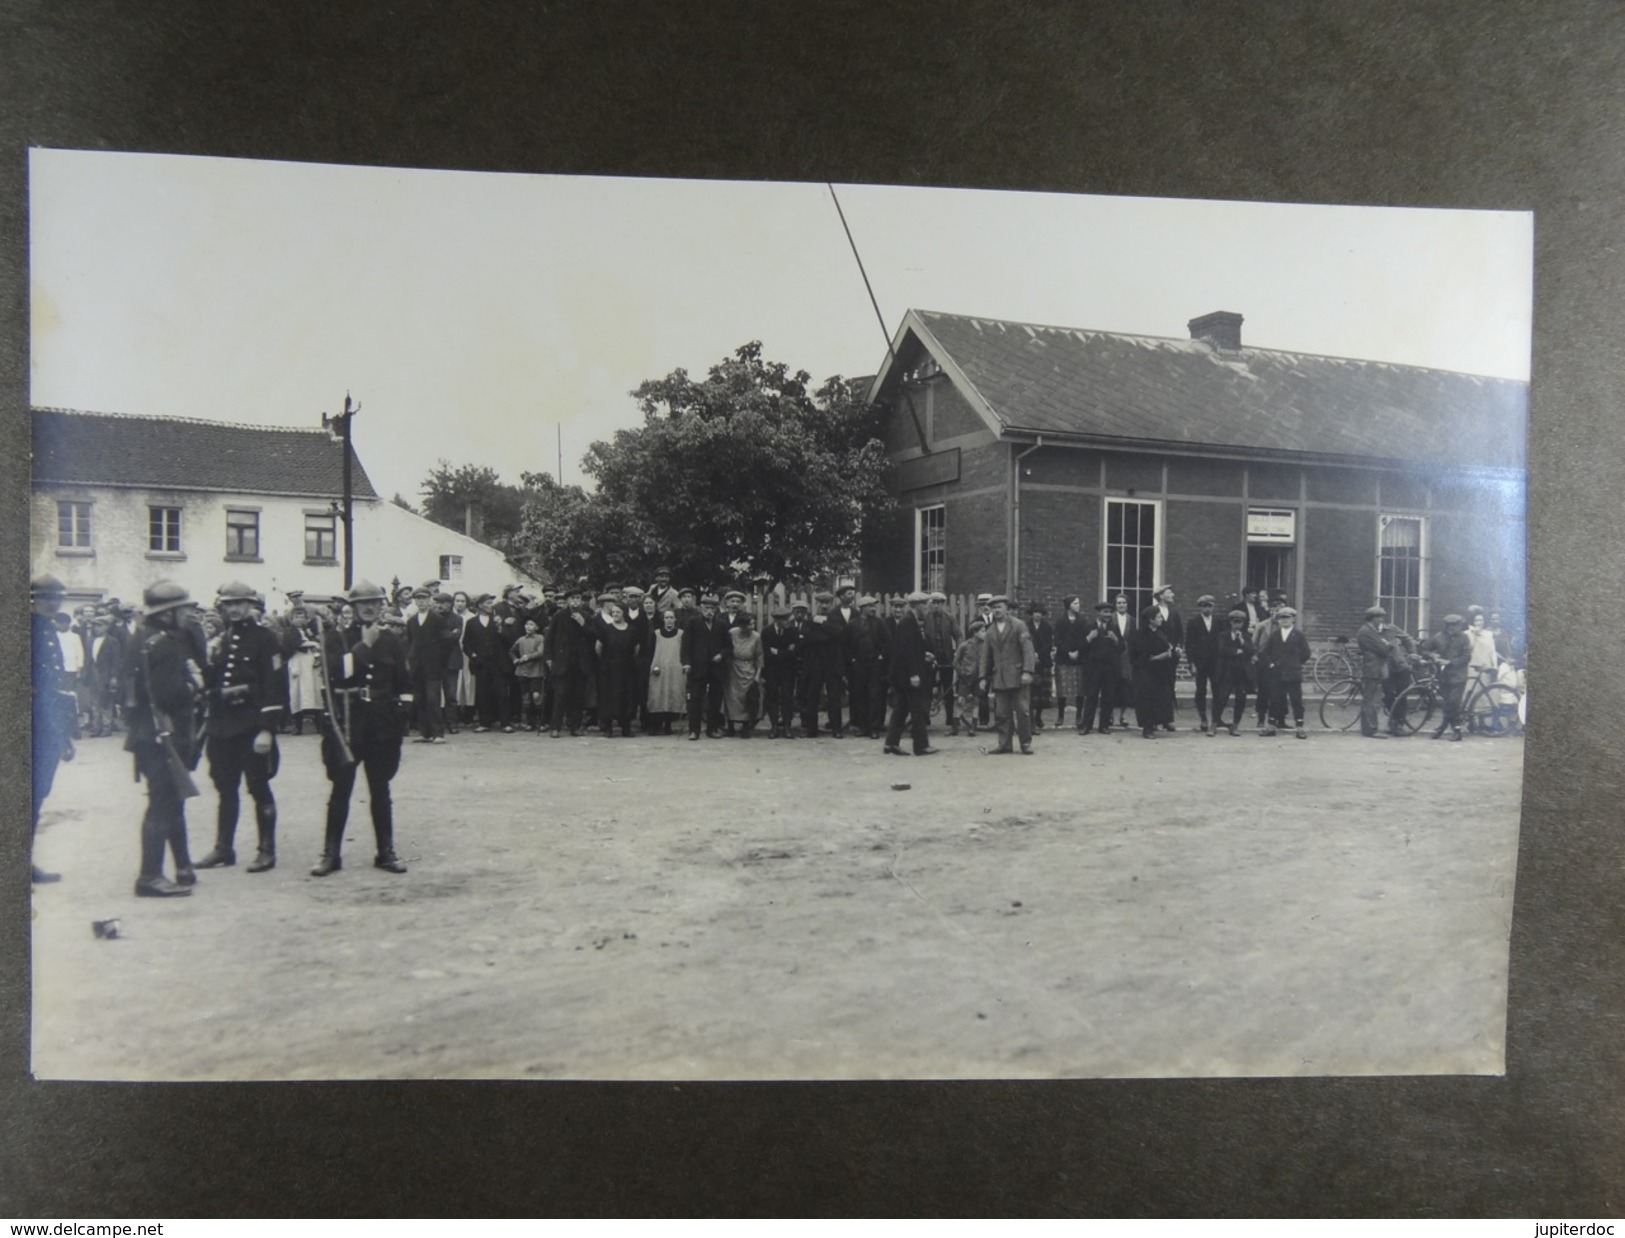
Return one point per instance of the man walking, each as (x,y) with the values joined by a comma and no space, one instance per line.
(248,694)
(1006,673)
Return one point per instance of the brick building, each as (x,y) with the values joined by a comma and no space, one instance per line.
(120,501)
(1044,461)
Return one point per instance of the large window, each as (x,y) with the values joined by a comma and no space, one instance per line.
(72,525)
(242,533)
(1133,550)
(930,548)
(1401,587)
(164,530)
(321,537)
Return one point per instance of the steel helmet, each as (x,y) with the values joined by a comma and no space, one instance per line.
(164,595)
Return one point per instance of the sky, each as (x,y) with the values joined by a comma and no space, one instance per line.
(480,317)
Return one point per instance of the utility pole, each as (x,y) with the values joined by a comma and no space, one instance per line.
(347,511)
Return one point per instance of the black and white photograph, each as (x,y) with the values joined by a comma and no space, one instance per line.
(506,626)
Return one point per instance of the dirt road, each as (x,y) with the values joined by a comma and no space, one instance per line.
(656,909)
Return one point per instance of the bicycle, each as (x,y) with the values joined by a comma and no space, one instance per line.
(1340,706)
(1335,665)
(1491,707)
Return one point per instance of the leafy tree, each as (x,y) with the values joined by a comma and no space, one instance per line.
(473,498)
(746,473)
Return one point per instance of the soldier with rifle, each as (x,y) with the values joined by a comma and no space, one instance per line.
(248,692)
(164,679)
(364,678)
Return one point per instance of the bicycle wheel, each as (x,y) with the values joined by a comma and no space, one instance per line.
(1493,711)
(1413,710)
(1340,708)
(1331,669)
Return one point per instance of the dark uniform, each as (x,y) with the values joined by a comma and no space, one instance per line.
(51,706)
(163,677)
(247,685)
(368,681)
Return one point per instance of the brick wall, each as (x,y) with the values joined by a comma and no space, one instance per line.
(1203,550)
(1337,565)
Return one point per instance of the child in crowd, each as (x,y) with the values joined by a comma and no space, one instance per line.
(967,658)
(531,674)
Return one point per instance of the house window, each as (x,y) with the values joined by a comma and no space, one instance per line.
(1271,534)
(1400,585)
(72,525)
(451,567)
(930,548)
(1133,550)
(164,530)
(242,534)
(321,537)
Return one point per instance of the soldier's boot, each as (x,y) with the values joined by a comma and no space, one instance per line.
(330,861)
(265,818)
(222,855)
(386,858)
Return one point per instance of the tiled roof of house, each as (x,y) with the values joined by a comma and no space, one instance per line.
(1097,384)
(114,449)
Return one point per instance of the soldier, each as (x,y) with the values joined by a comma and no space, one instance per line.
(164,677)
(50,715)
(247,693)
(366,669)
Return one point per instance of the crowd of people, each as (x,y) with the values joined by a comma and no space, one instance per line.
(366,669)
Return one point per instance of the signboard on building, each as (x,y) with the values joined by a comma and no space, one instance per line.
(1271,524)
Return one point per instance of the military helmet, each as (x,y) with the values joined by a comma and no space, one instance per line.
(164,595)
(234,591)
(46,585)
(366,591)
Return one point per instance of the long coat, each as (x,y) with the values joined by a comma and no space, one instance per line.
(1202,641)
(1283,655)
(908,650)
(1006,655)
(1376,650)
(1153,680)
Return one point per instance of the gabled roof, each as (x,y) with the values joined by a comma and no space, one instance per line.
(1027,379)
(116,449)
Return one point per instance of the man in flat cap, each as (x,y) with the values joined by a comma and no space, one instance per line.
(781,655)
(705,650)
(1376,652)
(911,670)
(823,665)
(1202,632)
(567,656)
(433,645)
(1006,673)
(868,643)
(1100,663)
(490,664)
(1453,651)
(665,597)
(942,640)
(1043,686)
(1284,653)
(1233,661)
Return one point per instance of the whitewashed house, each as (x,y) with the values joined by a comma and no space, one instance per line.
(120,501)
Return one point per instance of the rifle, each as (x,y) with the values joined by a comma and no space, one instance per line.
(341,726)
(179,774)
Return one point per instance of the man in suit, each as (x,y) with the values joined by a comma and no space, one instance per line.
(1283,655)
(1257,612)
(823,663)
(51,699)
(840,618)
(1376,652)
(1006,673)
(911,669)
(1201,647)
(1100,656)
(705,650)
(1454,651)
(1173,627)
(781,652)
(1043,636)
(1259,633)
(433,636)
(489,663)
(1232,660)
(247,687)
(567,655)
(868,645)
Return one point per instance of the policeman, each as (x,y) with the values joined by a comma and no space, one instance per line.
(50,703)
(366,669)
(164,679)
(247,696)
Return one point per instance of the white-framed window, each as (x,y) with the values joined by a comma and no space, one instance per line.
(72,525)
(321,537)
(1402,570)
(242,533)
(164,530)
(451,567)
(1132,546)
(931,547)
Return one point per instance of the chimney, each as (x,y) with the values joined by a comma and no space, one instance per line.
(1221,330)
